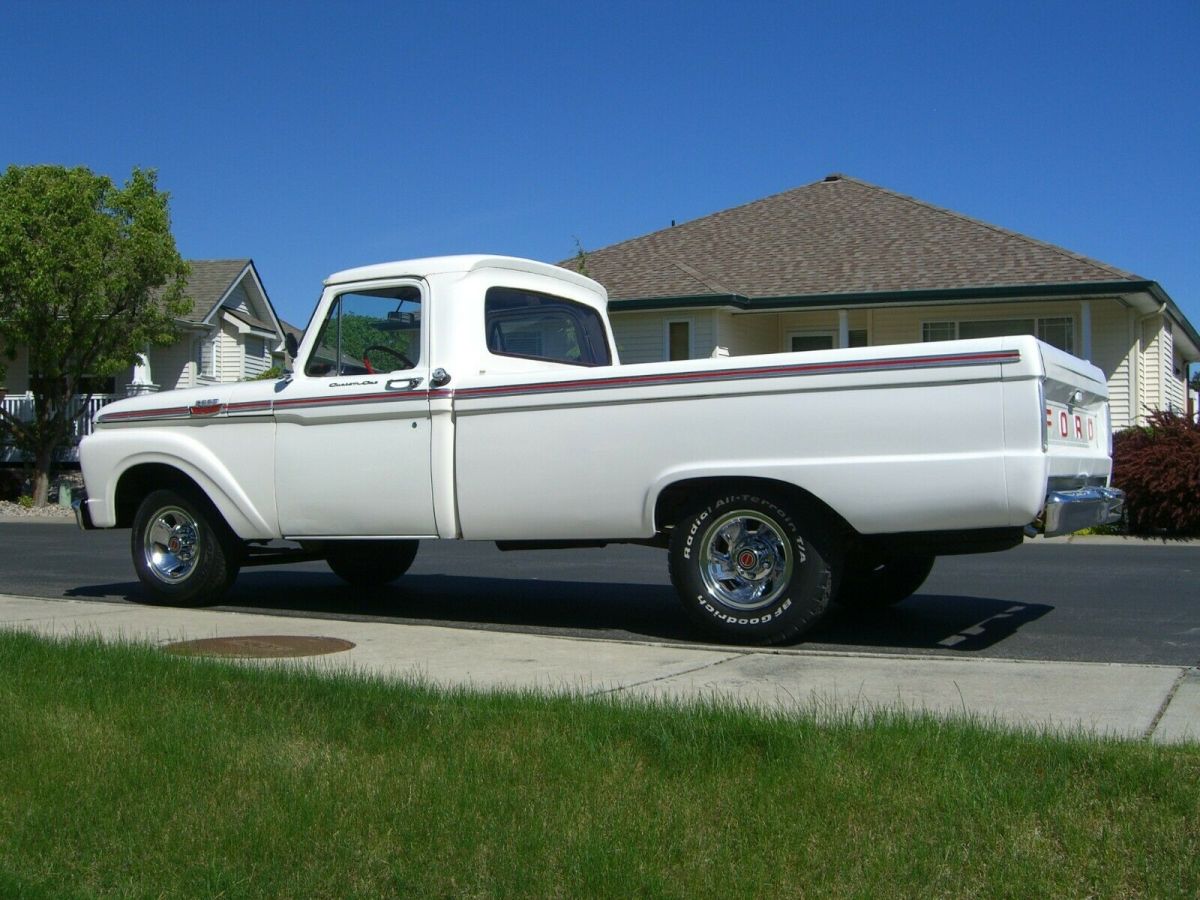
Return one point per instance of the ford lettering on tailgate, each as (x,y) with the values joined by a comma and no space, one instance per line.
(1070,426)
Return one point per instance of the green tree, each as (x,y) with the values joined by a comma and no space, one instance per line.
(89,278)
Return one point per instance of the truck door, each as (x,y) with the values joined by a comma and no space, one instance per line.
(353,426)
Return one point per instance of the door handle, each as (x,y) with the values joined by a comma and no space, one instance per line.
(402,384)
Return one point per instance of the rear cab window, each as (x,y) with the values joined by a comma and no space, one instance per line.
(529,325)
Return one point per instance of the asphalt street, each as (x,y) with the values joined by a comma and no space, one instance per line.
(1041,601)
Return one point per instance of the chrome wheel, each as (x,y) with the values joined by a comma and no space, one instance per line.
(171,544)
(745,560)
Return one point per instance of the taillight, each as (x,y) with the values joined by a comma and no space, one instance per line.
(1044,415)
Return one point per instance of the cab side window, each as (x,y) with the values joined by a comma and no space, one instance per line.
(369,331)
(530,325)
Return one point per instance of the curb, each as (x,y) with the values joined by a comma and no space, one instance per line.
(1115,540)
(37,520)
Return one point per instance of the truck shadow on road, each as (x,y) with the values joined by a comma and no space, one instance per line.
(926,622)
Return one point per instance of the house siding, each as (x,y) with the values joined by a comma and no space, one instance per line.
(1175,387)
(172,367)
(641,337)
(230,364)
(258,359)
(1114,352)
(1151,395)
(744,335)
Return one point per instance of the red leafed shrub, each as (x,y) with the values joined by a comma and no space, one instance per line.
(1158,468)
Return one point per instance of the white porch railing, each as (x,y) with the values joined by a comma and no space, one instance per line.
(20,406)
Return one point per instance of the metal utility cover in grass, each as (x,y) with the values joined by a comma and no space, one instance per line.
(260,646)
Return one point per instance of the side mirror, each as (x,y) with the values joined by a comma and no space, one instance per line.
(291,344)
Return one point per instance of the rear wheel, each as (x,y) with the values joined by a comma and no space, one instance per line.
(752,568)
(183,552)
(370,563)
(875,582)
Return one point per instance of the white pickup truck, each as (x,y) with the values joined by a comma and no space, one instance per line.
(481,398)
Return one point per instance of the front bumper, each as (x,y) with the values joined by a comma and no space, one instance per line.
(83,518)
(1070,511)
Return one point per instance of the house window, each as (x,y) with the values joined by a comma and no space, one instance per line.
(938,331)
(807,341)
(204,358)
(256,347)
(1057,331)
(804,341)
(679,339)
(987,328)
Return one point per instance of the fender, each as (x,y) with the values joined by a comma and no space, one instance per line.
(110,453)
(779,471)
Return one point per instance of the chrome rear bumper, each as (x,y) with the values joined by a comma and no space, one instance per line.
(1069,511)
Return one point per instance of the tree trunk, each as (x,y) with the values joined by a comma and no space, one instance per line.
(43,460)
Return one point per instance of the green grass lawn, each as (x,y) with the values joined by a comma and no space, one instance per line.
(126,772)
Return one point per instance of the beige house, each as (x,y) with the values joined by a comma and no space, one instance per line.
(843,263)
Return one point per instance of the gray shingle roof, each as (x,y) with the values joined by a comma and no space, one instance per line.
(210,280)
(839,235)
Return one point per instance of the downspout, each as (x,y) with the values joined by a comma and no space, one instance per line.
(1162,308)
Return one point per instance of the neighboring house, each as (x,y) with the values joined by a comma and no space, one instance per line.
(230,334)
(843,263)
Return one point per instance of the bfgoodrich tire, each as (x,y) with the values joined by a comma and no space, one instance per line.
(183,551)
(370,563)
(751,568)
(876,582)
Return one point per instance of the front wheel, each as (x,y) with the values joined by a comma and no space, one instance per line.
(183,552)
(753,569)
(370,563)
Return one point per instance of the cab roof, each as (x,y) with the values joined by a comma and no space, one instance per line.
(438,265)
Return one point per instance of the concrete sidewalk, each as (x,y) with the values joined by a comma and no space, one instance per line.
(1159,702)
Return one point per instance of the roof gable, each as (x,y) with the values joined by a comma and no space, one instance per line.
(835,236)
(214,284)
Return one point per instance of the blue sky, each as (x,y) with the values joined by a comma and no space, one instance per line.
(317,136)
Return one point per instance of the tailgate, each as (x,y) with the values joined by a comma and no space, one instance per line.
(1076,431)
